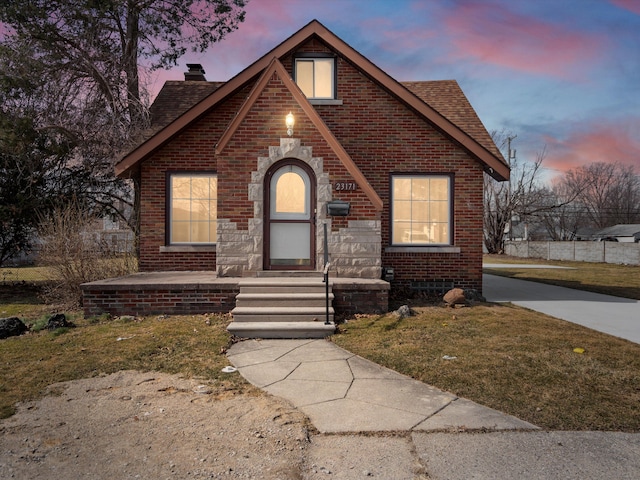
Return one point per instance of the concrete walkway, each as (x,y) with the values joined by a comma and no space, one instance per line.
(374,422)
(616,316)
(341,392)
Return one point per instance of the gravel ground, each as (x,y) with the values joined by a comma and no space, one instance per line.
(151,426)
(158,426)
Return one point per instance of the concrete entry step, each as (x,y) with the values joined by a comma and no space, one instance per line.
(281,314)
(276,299)
(281,329)
(289,274)
(282,285)
(282,307)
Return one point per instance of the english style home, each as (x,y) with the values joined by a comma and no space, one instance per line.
(311,153)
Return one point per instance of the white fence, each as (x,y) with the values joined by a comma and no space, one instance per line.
(603,252)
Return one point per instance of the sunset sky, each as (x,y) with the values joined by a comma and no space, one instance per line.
(560,74)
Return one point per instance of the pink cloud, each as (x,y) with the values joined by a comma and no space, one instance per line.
(612,142)
(239,49)
(396,39)
(632,5)
(496,35)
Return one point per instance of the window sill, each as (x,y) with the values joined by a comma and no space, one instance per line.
(423,249)
(324,101)
(187,248)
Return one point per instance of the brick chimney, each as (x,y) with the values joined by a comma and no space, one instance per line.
(195,73)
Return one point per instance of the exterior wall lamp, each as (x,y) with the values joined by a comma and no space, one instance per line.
(290,122)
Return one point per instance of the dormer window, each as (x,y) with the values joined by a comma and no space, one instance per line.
(316,76)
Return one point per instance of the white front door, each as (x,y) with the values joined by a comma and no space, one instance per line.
(290,217)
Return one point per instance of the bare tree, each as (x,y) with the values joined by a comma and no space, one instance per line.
(606,193)
(564,217)
(521,197)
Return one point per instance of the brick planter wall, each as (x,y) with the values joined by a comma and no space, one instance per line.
(150,301)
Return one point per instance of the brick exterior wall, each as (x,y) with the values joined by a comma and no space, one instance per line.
(381,135)
(196,298)
(142,300)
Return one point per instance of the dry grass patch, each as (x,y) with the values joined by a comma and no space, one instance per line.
(189,345)
(511,359)
(607,278)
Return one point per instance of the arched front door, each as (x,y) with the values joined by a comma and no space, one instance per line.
(290,200)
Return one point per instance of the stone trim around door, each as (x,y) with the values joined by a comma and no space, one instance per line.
(354,251)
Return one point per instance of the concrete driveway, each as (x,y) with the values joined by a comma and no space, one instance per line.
(613,315)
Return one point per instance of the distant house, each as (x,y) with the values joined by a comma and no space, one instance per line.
(628,233)
(394,170)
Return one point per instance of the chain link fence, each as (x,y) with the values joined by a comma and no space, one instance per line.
(23,274)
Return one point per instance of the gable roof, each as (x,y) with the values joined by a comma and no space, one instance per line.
(276,68)
(176,97)
(447,97)
(483,151)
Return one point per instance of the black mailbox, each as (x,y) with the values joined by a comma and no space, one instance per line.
(338,208)
(388,275)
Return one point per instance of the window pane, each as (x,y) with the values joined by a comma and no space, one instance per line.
(304,76)
(181,187)
(420,189)
(420,212)
(290,194)
(439,212)
(200,210)
(213,232)
(200,187)
(402,188)
(439,188)
(181,210)
(213,188)
(199,232)
(180,232)
(401,211)
(401,232)
(440,233)
(323,78)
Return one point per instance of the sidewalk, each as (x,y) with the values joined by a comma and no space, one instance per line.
(374,422)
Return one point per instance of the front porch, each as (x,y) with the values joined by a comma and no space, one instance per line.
(189,293)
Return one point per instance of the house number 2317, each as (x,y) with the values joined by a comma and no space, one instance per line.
(344,186)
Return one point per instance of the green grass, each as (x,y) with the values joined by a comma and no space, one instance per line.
(607,278)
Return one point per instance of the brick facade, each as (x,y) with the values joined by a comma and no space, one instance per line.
(381,134)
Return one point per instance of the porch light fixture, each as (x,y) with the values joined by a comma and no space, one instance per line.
(290,122)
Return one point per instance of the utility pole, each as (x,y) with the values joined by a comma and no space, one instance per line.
(511,155)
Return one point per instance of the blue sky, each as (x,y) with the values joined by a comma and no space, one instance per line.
(560,74)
